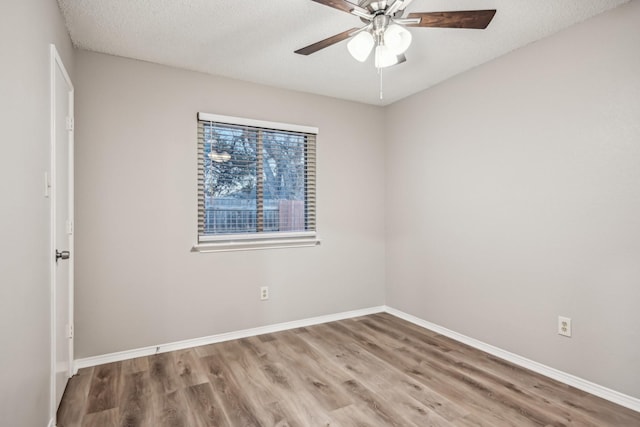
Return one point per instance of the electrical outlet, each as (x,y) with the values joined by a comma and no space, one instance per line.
(564,326)
(264,293)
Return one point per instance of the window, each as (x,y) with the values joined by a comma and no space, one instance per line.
(256,184)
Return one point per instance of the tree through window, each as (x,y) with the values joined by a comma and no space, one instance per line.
(254,179)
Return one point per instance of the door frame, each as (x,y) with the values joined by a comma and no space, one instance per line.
(56,65)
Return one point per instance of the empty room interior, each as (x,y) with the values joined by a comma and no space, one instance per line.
(320,213)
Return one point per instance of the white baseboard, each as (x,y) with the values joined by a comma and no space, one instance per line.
(212,339)
(572,380)
(577,382)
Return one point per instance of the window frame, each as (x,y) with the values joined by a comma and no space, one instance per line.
(253,240)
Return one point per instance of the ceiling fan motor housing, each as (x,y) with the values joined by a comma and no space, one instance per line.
(380,23)
(374,5)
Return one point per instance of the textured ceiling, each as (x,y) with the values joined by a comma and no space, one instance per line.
(254,40)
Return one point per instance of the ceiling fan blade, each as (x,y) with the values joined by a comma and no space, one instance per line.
(401,59)
(312,48)
(346,6)
(478,19)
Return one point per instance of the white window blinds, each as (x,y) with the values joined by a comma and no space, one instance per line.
(256,182)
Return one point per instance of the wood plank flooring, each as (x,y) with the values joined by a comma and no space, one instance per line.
(374,370)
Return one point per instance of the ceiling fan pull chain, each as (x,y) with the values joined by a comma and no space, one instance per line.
(380,74)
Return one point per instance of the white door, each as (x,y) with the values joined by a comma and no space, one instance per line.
(62,227)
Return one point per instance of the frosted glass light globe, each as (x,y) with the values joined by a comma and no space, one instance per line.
(397,38)
(385,57)
(360,46)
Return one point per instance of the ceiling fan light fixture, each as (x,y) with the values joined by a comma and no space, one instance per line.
(385,28)
(361,45)
(385,57)
(397,38)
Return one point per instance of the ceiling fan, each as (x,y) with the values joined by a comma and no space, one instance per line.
(385,30)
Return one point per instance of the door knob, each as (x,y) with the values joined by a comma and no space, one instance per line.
(62,255)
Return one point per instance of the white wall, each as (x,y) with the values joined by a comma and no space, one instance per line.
(513,196)
(27,27)
(137,284)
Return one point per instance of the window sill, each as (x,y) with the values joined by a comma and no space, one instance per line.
(257,244)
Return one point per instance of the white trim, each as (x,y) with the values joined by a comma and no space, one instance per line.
(569,379)
(257,123)
(58,60)
(227,336)
(231,246)
(52,423)
(72,219)
(251,241)
(52,233)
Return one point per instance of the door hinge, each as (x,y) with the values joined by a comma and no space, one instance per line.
(69,331)
(69,227)
(69,123)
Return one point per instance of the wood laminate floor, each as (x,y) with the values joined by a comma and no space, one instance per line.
(374,370)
